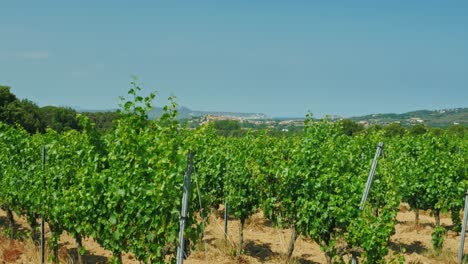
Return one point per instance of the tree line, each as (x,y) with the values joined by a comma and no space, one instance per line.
(35,119)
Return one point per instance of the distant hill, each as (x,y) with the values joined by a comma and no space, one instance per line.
(186,113)
(434,118)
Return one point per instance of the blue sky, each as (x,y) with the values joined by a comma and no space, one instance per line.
(281,58)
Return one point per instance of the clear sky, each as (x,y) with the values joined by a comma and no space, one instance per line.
(281,58)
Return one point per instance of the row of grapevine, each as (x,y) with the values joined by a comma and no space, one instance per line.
(432,170)
(313,183)
(124,188)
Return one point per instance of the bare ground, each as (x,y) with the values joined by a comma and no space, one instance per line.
(263,244)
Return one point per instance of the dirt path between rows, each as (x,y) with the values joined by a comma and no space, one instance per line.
(263,244)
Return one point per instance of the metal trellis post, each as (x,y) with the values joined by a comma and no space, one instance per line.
(463,232)
(368,185)
(42,216)
(188,173)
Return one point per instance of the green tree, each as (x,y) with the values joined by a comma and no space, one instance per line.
(32,118)
(436,131)
(227,125)
(394,130)
(418,130)
(350,127)
(104,121)
(60,118)
(22,112)
(457,130)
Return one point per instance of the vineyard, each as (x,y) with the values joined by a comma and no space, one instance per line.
(124,188)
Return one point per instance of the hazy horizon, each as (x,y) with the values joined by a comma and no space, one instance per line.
(81,109)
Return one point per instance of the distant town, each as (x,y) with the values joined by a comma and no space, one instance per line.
(435,118)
